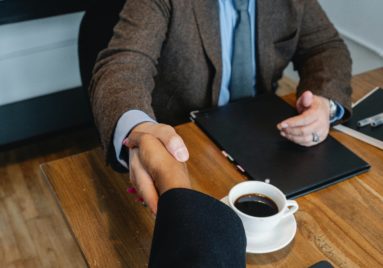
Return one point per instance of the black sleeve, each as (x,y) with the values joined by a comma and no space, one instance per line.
(195,230)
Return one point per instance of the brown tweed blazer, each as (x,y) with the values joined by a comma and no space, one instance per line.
(165,58)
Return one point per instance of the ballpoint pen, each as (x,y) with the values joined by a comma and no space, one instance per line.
(369,120)
(377,122)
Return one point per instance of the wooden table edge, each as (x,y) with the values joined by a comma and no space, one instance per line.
(59,205)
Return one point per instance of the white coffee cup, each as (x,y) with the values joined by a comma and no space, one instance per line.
(259,225)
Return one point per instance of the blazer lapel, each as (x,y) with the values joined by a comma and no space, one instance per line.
(207,17)
(265,55)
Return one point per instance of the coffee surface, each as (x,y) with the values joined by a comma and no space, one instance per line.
(256,205)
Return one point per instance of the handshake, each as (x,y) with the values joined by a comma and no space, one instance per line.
(153,170)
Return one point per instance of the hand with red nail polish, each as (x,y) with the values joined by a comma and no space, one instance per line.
(131,190)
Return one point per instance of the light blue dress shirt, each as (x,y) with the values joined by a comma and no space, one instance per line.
(227,19)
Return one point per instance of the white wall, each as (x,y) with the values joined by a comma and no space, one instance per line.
(38,57)
(358,20)
(361,26)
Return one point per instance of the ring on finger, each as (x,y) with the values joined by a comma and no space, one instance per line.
(315,137)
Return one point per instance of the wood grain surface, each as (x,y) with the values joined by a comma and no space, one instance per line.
(33,232)
(342,223)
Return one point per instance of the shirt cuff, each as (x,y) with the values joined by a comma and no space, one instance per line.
(339,113)
(125,124)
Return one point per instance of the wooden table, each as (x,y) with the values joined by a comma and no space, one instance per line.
(342,223)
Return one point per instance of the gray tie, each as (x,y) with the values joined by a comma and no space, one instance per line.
(241,83)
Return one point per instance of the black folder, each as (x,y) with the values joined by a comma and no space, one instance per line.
(247,134)
(369,105)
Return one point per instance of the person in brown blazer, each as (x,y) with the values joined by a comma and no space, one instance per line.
(167,58)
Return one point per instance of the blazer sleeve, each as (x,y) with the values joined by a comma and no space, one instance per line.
(195,230)
(322,58)
(123,77)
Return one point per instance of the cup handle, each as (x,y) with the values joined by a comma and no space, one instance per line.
(291,207)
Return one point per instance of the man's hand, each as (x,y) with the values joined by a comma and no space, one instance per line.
(168,136)
(153,170)
(312,125)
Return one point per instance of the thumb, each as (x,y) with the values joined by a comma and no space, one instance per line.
(177,148)
(305,101)
(168,137)
(172,141)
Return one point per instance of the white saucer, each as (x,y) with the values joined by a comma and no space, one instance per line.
(274,240)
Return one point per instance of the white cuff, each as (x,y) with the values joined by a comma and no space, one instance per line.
(339,112)
(125,124)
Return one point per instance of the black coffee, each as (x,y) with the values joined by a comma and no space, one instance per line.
(256,205)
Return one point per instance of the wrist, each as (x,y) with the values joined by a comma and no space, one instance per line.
(144,126)
(176,177)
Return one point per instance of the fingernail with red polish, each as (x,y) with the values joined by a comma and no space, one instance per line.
(126,141)
(131,190)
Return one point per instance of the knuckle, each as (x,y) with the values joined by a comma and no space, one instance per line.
(291,138)
(146,138)
(287,132)
(305,132)
(166,129)
(306,143)
(297,132)
(308,139)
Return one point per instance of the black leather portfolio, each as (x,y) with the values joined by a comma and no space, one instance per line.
(370,108)
(246,133)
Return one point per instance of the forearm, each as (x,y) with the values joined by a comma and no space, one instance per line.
(123,77)
(190,223)
(115,90)
(325,76)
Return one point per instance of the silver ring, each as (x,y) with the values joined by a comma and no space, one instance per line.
(315,137)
